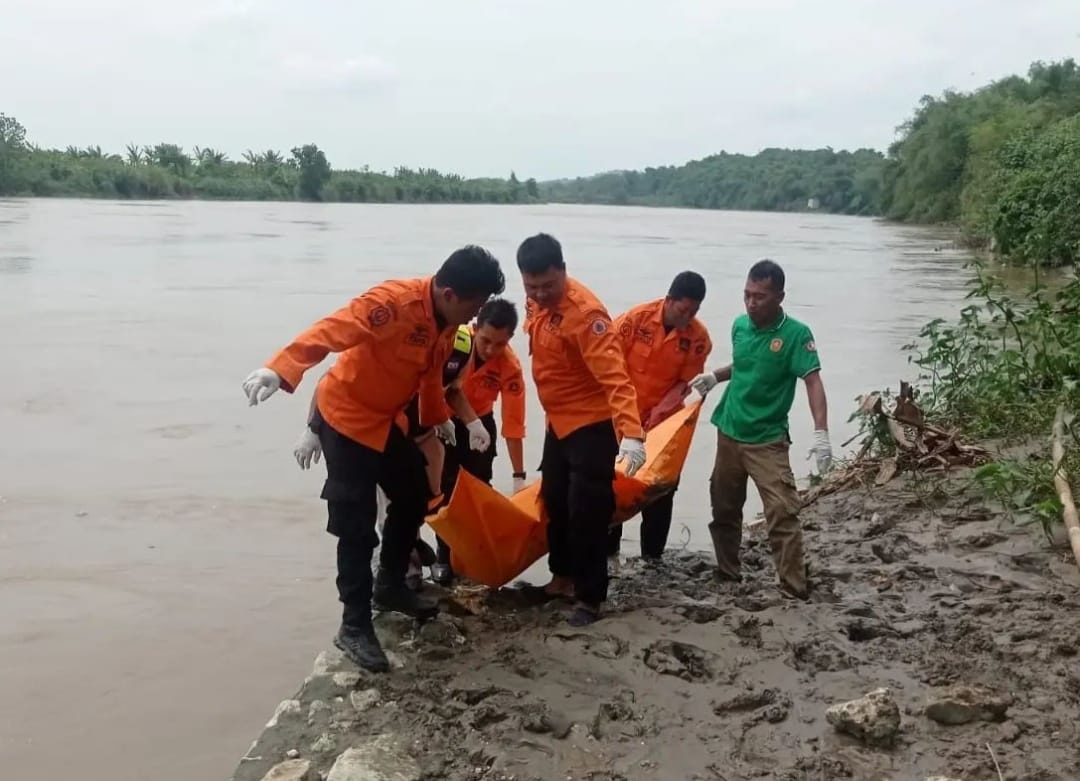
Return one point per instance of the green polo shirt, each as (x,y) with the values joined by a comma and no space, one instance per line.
(765,364)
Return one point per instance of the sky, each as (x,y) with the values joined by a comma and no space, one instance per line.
(546,88)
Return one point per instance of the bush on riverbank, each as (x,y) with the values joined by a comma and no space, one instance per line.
(1000,372)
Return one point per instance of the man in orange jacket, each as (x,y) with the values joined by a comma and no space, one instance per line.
(590,403)
(393,342)
(665,347)
(491,371)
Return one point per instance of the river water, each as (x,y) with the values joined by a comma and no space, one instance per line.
(164,575)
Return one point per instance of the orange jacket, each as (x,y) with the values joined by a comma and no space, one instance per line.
(499,376)
(578,365)
(390,346)
(657,361)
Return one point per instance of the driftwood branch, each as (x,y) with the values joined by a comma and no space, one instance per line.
(1061,483)
(919,445)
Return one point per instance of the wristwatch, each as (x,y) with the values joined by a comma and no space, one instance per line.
(520,475)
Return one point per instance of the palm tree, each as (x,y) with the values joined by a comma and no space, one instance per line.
(134,154)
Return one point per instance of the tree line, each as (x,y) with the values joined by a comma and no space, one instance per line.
(1002,162)
(169,171)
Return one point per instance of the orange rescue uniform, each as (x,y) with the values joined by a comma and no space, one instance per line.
(578,365)
(390,344)
(503,376)
(657,361)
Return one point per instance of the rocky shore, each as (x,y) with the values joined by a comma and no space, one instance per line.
(941,642)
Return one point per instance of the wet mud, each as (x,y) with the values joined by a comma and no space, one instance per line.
(932,598)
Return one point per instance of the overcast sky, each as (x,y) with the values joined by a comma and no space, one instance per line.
(548,88)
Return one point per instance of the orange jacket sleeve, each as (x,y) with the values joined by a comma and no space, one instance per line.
(513,405)
(367,316)
(699,353)
(603,355)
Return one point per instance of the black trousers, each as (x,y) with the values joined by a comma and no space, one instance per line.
(354,471)
(655,525)
(479,464)
(577,490)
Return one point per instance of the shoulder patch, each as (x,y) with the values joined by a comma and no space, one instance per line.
(380,315)
(599,326)
(811,347)
(626,329)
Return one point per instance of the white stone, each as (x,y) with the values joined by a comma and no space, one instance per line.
(292,753)
(327,661)
(873,719)
(365,700)
(286,708)
(292,770)
(378,760)
(324,744)
(346,680)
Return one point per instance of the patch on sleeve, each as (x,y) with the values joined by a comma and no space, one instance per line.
(599,326)
(811,347)
(514,387)
(379,316)
(626,329)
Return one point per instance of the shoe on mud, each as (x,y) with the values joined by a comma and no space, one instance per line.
(583,615)
(361,647)
(401,599)
(442,574)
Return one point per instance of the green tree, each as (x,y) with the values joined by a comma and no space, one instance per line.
(13,153)
(314,171)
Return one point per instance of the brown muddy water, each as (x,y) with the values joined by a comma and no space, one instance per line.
(164,573)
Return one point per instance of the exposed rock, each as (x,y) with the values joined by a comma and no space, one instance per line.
(328,661)
(285,708)
(365,700)
(292,770)
(292,753)
(378,760)
(873,719)
(346,680)
(964,704)
(323,744)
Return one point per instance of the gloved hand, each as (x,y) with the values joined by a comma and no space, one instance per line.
(822,450)
(704,383)
(447,433)
(307,449)
(479,438)
(633,452)
(519,483)
(261,385)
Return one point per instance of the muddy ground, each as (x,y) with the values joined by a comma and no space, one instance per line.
(687,678)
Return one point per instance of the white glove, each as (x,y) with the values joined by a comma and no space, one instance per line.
(519,484)
(704,383)
(479,438)
(261,385)
(307,449)
(447,433)
(822,450)
(633,452)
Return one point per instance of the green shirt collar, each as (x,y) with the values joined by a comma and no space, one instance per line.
(774,327)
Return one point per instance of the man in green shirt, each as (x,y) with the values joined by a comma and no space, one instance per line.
(770,352)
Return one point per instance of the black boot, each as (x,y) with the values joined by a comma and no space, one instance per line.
(362,648)
(399,598)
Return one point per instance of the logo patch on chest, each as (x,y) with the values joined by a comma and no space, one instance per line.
(776,345)
(419,337)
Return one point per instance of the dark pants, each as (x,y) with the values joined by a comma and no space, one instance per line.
(655,525)
(578,471)
(354,471)
(479,464)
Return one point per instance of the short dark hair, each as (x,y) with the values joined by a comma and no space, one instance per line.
(687,284)
(770,270)
(472,273)
(498,313)
(540,253)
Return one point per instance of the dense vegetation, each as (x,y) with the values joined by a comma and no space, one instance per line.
(1003,162)
(772,180)
(167,171)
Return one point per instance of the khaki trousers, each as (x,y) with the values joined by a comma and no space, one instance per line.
(769,467)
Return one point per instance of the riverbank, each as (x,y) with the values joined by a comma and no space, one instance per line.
(916,590)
